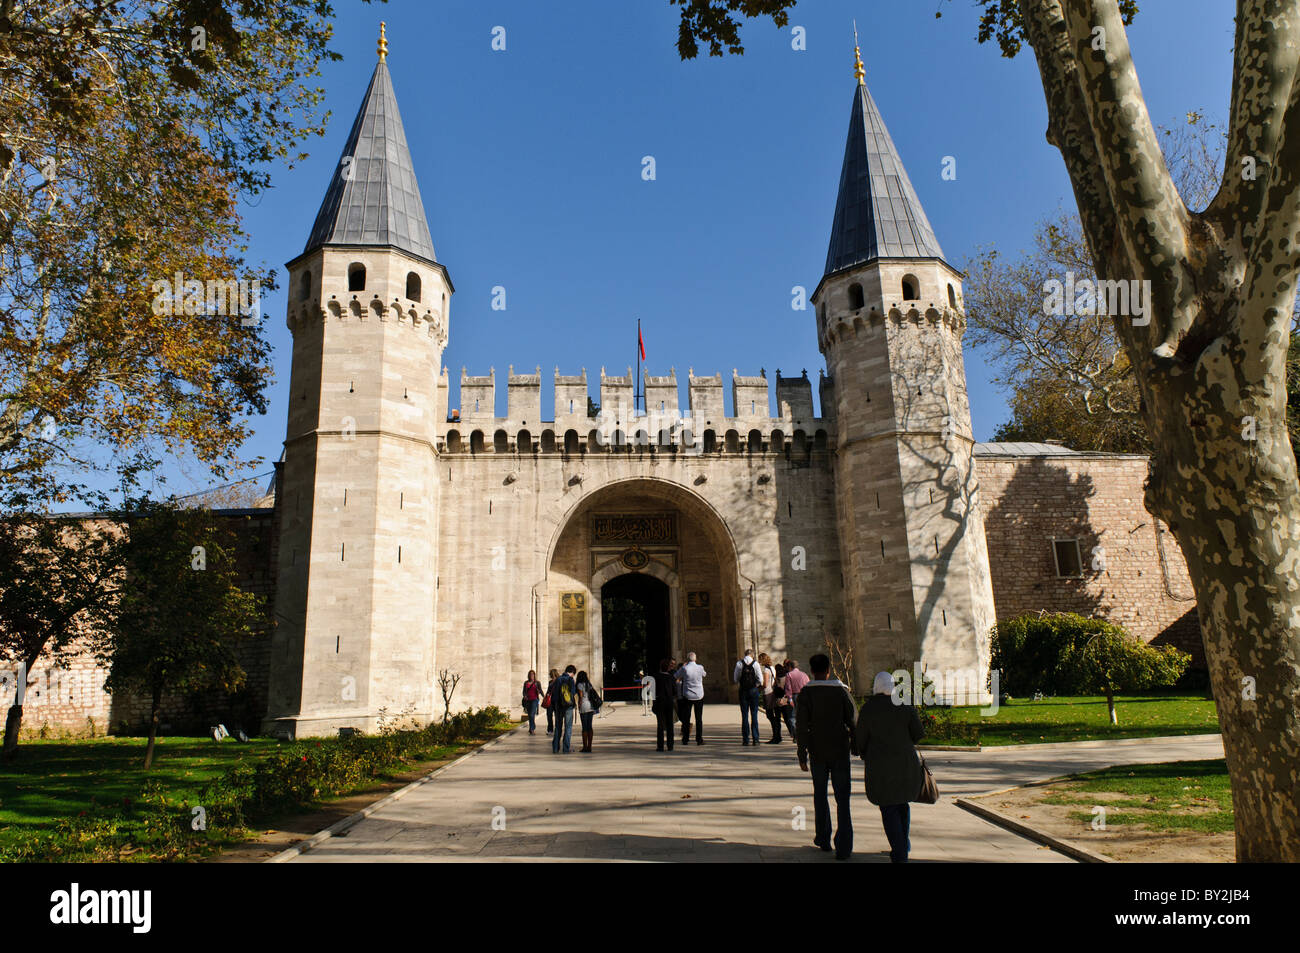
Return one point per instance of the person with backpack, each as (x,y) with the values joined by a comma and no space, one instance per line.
(663,705)
(824,729)
(532,695)
(564,695)
(589,703)
(749,677)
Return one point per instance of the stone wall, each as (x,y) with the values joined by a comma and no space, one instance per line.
(1133,572)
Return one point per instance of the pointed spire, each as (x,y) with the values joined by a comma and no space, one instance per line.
(373,197)
(877,213)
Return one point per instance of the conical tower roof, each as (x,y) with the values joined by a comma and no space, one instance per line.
(373,198)
(877,213)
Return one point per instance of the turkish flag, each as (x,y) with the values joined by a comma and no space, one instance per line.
(640,341)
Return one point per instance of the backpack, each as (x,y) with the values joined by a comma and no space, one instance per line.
(748,677)
(566,693)
(593,698)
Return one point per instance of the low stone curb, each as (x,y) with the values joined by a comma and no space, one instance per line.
(949,748)
(338,827)
(1032,833)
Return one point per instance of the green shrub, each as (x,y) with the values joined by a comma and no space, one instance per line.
(1066,654)
(296,775)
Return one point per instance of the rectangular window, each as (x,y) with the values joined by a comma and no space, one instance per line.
(1069,564)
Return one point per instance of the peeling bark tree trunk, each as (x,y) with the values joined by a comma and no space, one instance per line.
(1209,358)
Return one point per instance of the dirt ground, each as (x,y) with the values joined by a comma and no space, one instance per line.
(1130,843)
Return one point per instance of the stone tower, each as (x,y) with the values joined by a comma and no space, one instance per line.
(368,309)
(889,322)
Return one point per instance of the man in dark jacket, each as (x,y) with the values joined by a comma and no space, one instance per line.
(824,716)
(564,696)
(664,704)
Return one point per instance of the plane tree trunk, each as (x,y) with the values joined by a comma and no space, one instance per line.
(1209,358)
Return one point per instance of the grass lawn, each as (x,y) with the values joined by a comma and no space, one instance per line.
(1181,795)
(53,780)
(98,785)
(1081,718)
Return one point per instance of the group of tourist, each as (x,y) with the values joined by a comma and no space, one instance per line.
(883,733)
(819,713)
(565,692)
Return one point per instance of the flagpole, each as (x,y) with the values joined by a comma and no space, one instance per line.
(637,388)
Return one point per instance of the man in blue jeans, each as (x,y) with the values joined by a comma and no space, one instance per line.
(824,724)
(749,677)
(562,688)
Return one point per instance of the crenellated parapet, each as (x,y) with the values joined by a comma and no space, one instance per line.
(579,424)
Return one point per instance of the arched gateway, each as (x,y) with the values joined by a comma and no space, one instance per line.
(655,563)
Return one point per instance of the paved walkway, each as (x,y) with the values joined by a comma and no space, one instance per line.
(716,802)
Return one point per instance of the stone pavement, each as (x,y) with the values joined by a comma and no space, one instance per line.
(716,802)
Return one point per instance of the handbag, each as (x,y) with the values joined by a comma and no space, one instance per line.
(929,793)
(546,702)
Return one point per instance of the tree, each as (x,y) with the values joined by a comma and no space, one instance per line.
(128,134)
(1066,653)
(58,583)
(1210,362)
(181,612)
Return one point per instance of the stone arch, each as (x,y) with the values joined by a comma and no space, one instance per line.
(571,441)
(500,442)
(524,442)
(476,442)
(755,441)
(573,563)
(453,441)
(732,442)
(548,441)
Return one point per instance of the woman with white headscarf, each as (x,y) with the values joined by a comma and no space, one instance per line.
(885,738)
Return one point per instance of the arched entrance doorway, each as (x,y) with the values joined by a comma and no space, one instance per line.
(635,627)
(668,561)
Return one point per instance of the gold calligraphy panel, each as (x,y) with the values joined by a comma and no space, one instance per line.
(651,528)
(573,613)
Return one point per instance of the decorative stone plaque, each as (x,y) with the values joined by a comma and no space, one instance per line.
(699,613)
(573,613)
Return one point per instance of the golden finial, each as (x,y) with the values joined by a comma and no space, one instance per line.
(383,43)
(858,69)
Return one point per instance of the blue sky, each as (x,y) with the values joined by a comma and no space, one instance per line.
(529,163)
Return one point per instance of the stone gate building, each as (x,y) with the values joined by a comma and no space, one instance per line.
(406,537)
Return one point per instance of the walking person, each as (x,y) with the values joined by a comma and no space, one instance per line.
(532,695)
(824,734)
(690,678)
(663,706)
(769,691)
(564,695)
(589,703)
(795,680)
(550,712)
(886,736)
(776,702)
(749,677)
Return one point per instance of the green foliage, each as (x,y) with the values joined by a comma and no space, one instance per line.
(181,611)
(712,22)
(1001,20)
(1066,654)
(159,824)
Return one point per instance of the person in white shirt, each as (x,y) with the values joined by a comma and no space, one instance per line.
(691,678)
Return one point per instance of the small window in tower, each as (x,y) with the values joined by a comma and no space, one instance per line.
(856,299)
(952,297)
(413,287)
(305,291)
(911,288)
(1069,564)
(356,276)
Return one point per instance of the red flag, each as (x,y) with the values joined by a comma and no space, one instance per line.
(640,341)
